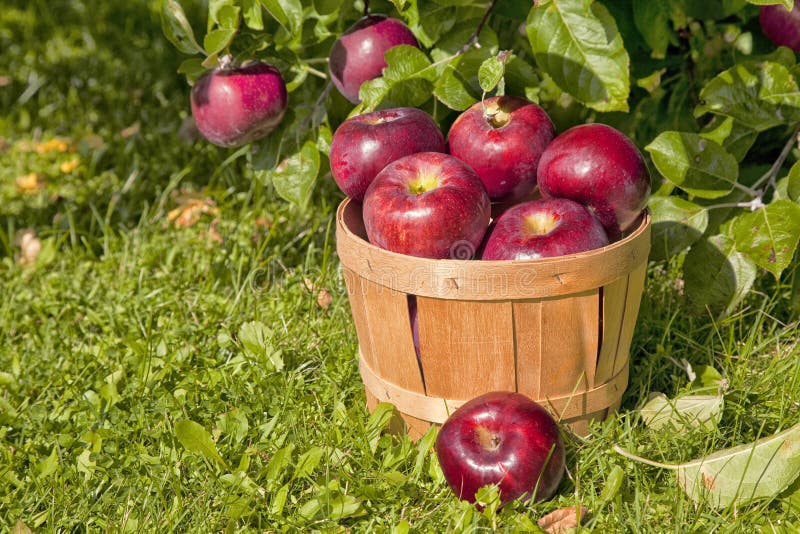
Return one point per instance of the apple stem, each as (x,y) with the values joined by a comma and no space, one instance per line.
(366,8)
(226,61)
(772,173)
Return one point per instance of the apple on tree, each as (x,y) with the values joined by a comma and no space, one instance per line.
(358,54)
(233,106)
(363,145)
(502,138)
(601,168)
(429,205)
(780,25)
(543,228)
(501,438)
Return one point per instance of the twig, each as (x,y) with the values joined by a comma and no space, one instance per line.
(752,205)
(772,173)
(366,8)
(473,41)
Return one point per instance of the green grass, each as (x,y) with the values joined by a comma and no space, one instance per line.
(128,324)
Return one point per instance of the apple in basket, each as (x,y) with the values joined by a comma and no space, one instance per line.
(501,438)
(429,205)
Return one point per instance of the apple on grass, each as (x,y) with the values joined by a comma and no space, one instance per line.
(233,106)
(780,25)
(543,228)
(429,205)
(358,55)
(502,138)
(363,145)
(501,438)
(601,168)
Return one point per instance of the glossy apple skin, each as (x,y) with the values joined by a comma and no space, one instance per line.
(236,106)
(505,157)
(782,27)
(575,230)
(601,168)
(523,453)
(358,55)
(363,145)
(439,223)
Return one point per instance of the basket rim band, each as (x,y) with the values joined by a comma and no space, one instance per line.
(575,405)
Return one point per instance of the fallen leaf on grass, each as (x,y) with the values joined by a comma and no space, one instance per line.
(213,233)
(324,299)
(761,469)
(561,520)
(703,411)
(21,528)
(190,210)
(53,145)
(29,247)
(131,130)
(29,183)
(68,166)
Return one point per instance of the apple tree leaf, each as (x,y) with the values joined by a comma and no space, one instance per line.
(785,3)
(697,165)
(491,71)
(251,11)
(294,177)
(759,95)
(734,136)
(197,439)
(676,225)
(652,19)
(217,40)
(224,14)
(793,183)
(177,29)
(716,275)
(288,13)
(682,413)
(453,90)
(578,44)
(769,235)
(407,80)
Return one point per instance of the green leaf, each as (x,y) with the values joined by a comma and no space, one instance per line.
(216,41)
(196,439)
(379,419)
(676,225)
(256,339)
(793,186)
(652,19)
(224,14)
(251,10)
(288,13)
(740,474)
(578,44)
(716,275)
(453,90)
(407,80)
(734,136)
(49,465)
(308,462)
(279,461)
(491,71)
(613,484)
(697,165)
(760,96)
(682,413)
(192,68)
(177,29)
(294,177)
(788,4)
(769,235)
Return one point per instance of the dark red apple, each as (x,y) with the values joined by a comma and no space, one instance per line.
(780,25)
(429,205)
(233,106)
(363,145)
(501,438)
(542,229)
(601,168)
(502,139)
(358,55)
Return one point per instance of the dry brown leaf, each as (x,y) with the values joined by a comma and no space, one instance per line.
(5,80)
(131,130)
(29,246)
(68,166)
(29,183)
(324,298)
(310,285)
(53,145)
(561,520)
(213,233)
(190,210)
(94,142)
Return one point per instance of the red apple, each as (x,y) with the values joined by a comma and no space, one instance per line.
(501,438)
(358,55)
(429,205)
(363,145)
(233,106)
(502,139)
(543,228)
(780,25)
(599,167)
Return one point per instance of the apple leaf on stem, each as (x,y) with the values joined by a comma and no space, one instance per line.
(697,165)
(785,3)
(578,44)
(761,469)
(677,224)
(294,177)
(177,29)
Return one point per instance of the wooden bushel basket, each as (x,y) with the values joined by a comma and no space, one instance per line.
(557,329)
